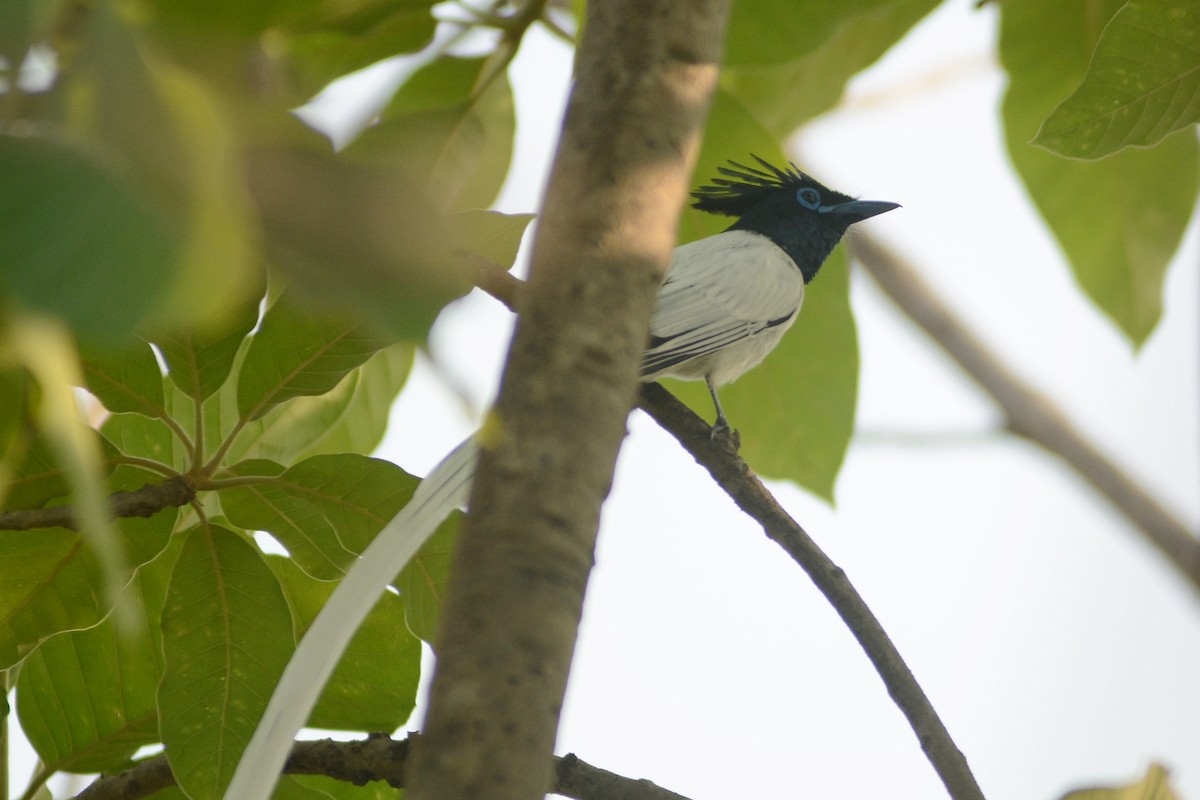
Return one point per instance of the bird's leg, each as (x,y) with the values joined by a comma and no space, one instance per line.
(721,425)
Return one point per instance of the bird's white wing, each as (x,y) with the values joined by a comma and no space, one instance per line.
(719,291)
(445,489)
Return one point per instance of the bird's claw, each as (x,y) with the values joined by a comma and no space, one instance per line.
(721,430)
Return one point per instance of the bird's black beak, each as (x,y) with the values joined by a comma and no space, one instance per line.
(858,210)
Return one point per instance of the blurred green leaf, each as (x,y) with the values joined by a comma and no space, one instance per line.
(782,96)
(53,581)
(1118,220)
(1143,83)
(776,31)
(490,234)
(295,353)
(86,699)
(374,687)
(126,379)
(347,36)
(23,23)
(79,241)
(357,236)
(226,637)
(1154,786)
(453,137)
(324,510)
(422,583)
(163,129)
(795,411)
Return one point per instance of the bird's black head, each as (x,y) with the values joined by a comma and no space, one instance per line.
(800,215)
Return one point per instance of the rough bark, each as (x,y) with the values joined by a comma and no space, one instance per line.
(645,75)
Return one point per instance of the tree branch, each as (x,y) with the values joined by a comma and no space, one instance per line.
(645,75)
(1029,413)
(379,758)
(144,502)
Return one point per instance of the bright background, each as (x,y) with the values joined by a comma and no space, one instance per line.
(1059,648)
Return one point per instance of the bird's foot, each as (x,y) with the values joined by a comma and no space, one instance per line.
(722,432)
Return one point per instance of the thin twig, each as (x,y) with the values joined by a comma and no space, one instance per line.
(378,758)
(144,502)
(1028,412)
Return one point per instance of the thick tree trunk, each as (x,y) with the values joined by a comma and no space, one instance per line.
(646,72)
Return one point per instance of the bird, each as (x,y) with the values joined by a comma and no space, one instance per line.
(728,299)
(725,302)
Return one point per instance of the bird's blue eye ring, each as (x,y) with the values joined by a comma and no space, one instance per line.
(809,198)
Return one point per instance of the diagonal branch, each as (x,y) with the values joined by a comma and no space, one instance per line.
(144,502)
(1029,413)
(378,758)
(734,476)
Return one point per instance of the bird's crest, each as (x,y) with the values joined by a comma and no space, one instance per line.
(743,187)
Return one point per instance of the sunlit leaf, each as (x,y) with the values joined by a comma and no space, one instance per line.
(454,138)
(53,581)
(86,699)
(125,378)
(423,581)
(226,637)
(1119,220)
(775,31)
(295,353)
(782,96)
(1143,83)
(374,686)
(324,510)
(1154,786)
(200,359)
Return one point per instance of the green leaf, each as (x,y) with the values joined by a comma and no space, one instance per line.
(1143,83)
(72,231)
(357,237)
(226,637)
(795,411)
(1155,786)
(776,31)
(782,96)
(351,418)
(490,234)
(53,581)
(340,790)
(1118,220)
(126,379)
(22,23)
(453,137)
(200,359)
(350,36)
(324,510)
(374,687)
(141,437)
(422,582)
(163,129)
(296,353)
(86,699)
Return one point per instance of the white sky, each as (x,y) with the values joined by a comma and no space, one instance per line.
(1058,648)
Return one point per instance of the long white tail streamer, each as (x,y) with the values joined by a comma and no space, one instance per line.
(445,489)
